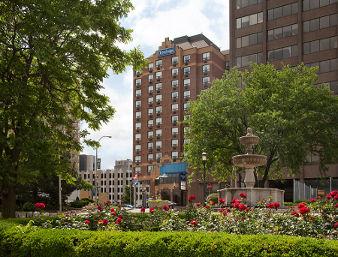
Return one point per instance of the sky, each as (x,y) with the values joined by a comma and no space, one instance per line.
(152,21)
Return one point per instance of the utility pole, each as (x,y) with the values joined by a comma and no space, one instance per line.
(60,195)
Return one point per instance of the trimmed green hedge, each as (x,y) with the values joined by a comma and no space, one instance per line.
(25,241)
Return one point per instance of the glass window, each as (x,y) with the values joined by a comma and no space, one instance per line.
(186,70)
(253,19)
(174,107)
(158,156)
(206,79)
(138,115)
(150,122)
(260,17)
(186,58)
(174,72)
(150,111)
(245,41)
(314,4)
(174,155)
(158,144)
(186,82)
(314,46)
(174,142)
(138,82)
(158,109)
(158,121)
(158,63)
(158,86)
(150,89)
(185,106)
(150,134)
(150,77)
(138,158)
(138,147)
(270,34)
(306,48)
(206,56)
(206,68)
(277,12)
(287,10)
(174,131)
(138,136)
(174,60)
(324,66)
(174,119)
(324,44)
(138,125)
(150,66)
(306,26)
(138,92)
(150,168)
(138,103)
(150,100)
(158,74)
(158,132)
(238,23)
(294,29)
(174,83)
(158,98)
(287,31)
(324,22)
(238,42)
(314,24)
(174,95)
(245,21)
(334,20)
(150,157)
(186,94)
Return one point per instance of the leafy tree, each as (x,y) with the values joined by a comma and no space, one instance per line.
(292,117)
(53,58)
(126,195)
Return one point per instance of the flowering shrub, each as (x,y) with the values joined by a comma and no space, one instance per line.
(40,206)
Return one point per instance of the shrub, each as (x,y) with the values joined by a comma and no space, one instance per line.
(28,206)
(80,203)
(22,241)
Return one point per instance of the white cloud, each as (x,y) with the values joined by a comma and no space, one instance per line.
(152,21)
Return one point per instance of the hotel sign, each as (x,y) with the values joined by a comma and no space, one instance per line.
(166,52)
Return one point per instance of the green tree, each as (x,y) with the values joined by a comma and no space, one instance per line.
(127,194)
(53,58)
(292,116)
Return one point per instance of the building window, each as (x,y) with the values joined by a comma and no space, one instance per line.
(174,131)
(244,61)
(150,78)
(206,56)
(206,68)
(158,64)
(186,71)
(158,133)
(150,100)
(186,94)
(174,142)
(138,82)
(282,32)
(283,53)
(245,3)
(174,84)
(138,125)
(138,147)
(138,115)
(174,119)
(137,158)
(158,86)
(150,111)
(158,75)
(174,95)
(252,39)
(158,156)
(334,86)
(320,23)
(313,4)
(186,106)
(186,59)
(174,72)
(174,107)
(174,60)
(138,136)
(206,81)
(150,134)
(138,92)
(282,11)
(158,98)
(150,67)
(249,20)
(186,82)
(150,123)
(150,89)
(150,157)
(326,66)
(320,45)
(158,144)
(138,104)
(150,168)
(174,155)
(158,121)
(158,109)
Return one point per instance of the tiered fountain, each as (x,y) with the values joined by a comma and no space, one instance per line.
(249,162)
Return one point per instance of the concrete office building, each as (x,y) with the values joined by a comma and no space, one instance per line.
(290,32)
(177,73)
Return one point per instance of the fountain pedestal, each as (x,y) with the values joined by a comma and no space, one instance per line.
(249,161)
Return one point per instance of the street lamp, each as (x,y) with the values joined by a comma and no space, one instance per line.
(96,175)
(204,160)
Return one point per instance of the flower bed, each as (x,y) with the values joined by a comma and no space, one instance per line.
(39,242)
(315,219)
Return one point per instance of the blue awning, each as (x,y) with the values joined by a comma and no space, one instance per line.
(174,168)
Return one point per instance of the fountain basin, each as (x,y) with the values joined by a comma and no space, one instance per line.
(249,161)
(254,195)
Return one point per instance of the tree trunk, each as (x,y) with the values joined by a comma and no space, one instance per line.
(8,201)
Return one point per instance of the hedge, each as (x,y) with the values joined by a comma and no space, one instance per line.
(25,241)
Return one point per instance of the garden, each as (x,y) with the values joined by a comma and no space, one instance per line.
(209,229)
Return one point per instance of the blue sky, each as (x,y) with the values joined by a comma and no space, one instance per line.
(152,21)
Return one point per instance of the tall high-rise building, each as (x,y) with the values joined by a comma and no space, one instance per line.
(290,32)
(176,74)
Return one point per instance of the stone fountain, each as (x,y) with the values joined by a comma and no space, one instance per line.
(249,162)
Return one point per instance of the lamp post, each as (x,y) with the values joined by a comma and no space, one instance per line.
(96,175)
(204,160)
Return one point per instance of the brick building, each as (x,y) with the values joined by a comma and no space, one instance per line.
(290,32)
(177,72)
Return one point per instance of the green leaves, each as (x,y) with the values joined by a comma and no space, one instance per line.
(291,115)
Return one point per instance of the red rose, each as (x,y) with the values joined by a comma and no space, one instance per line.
(242,207)
(105,222)
(301,205)
(304,210)
(40,206)
(194,223)
(112,211)
(335,225)
(151,210)
(333,193)
(191,198)
(198,204)
(99,208)
(312,200)
(143,210)
(165,207)
(221,200)
(87,222)
(328,196)
(243,195)
(118,220)
(276,205)
(336,197)
(224,211)
(295,213)
(207,207)
(336,205)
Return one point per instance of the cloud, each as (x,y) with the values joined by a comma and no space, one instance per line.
(153,21)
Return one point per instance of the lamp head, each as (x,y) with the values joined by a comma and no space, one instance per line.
(204,156)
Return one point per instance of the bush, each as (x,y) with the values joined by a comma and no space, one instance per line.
(80,203)
(28,206)
(22,241)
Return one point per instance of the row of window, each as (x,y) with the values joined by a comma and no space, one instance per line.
(320,45)
(158,110)
(320,23)
(325,66)
(283,53)
(313,4)
(245,3)
(249,20)
(158,144)
(282,11)
(158,133)
(150,157)
(158,98)
(252,39)
(282,32)
(174,83)
(246,60)
(174,60)
(111,175)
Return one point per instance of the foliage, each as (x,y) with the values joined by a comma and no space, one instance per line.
(54,56)
(80,203)
(28,206)
(127,193)
(292,117)
(31,241)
